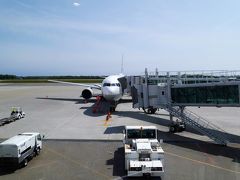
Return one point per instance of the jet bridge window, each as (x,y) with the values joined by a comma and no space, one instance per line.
(225,94)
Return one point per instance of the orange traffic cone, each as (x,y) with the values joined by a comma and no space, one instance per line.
(108,116)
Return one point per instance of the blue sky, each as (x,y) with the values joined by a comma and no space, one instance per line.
(56,37)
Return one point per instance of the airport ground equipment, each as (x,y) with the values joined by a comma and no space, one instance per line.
(17,113)
(174,91)
(177,126)
(143,152)
(19,149)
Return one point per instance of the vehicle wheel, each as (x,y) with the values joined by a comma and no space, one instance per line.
(172,129)
(153,110)
(34,154)
(150,110)
(25,163)
(37,151)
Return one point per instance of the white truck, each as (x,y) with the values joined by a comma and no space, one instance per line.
(19,149)
(143,153)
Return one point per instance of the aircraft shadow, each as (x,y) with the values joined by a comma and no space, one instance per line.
(88,110)
(77,101)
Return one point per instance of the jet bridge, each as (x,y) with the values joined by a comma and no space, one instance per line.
(173,92)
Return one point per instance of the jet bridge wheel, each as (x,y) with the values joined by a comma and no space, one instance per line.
(150,110)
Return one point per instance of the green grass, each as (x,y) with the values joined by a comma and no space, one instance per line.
(46,80)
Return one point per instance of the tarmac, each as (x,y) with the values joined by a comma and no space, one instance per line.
(80,144)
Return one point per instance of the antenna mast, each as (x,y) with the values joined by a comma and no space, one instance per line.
(122,65)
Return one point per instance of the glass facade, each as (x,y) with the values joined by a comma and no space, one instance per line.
(227,94)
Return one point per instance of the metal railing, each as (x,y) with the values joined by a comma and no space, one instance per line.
(193,77)
(199,123)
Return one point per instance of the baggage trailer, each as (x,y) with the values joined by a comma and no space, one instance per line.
(19,149)
(143,153)
(16,114)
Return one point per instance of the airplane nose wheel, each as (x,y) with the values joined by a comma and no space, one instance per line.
(112,109)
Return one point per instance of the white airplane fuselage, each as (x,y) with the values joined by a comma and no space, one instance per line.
(111,88)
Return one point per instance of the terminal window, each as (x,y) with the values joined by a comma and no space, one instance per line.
(227,94)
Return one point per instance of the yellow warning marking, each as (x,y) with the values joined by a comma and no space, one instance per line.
(42,165)
(107,121)
(204,163)
(78,163)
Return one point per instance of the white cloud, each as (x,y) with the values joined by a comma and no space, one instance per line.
(76,4)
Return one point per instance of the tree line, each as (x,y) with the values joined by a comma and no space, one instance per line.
(9,76)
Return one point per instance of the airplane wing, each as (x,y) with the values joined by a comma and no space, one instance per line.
(92,86)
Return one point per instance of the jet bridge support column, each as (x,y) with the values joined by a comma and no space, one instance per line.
(169,96)
(171,117)
(146,91)
(182,114)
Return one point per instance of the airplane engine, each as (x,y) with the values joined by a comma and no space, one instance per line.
(87,93)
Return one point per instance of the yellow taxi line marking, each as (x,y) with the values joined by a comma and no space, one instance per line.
(42,165)
(76,162)
(106,122)
(204,163)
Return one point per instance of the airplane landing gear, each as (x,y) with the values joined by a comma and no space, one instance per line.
(112,109)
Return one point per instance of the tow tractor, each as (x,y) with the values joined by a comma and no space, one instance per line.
(177,126)
(144,155)
(17,113)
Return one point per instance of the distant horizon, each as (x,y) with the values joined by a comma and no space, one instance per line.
(140,73)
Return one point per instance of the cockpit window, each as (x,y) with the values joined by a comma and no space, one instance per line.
(106,84)
(112,84)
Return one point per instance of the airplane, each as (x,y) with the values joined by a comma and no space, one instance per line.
(112,88)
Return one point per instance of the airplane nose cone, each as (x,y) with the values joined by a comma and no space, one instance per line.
(111,93)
